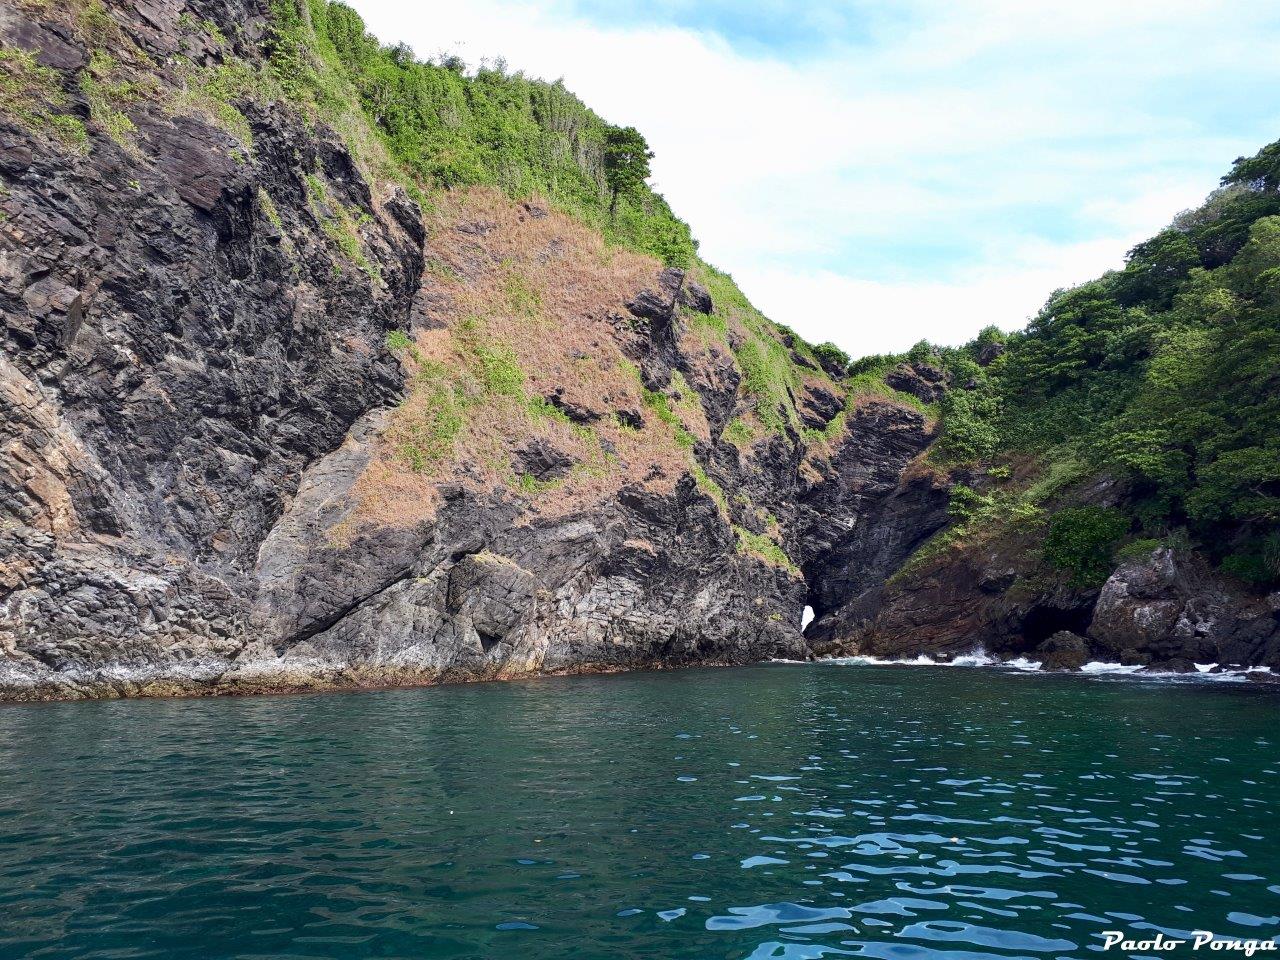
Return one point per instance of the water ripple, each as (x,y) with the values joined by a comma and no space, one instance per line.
(783,812)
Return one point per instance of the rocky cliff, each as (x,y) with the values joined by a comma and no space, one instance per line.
(299,391)
(983,571)
(273,419)
(1164,610)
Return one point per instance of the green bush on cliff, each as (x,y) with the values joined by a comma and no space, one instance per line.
(832,355)
(1082,541)
(30,95)
(1138,549)
(1256,562)
(965,503)
(765,548)
(969,424)
(766,371)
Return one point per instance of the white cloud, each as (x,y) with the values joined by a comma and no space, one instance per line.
(873,316)
(949,174)
(868,316)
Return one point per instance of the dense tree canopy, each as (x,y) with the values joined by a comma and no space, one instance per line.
(1165,374)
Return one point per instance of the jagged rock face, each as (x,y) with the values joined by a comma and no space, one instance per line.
(197,394)
(1165,608)
(202,416)
(985,596)
(924,381)
(173,362)
(1161,611)
(866,516)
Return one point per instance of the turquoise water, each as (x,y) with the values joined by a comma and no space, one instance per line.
(780,811)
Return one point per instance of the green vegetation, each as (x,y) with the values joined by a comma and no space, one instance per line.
(1164,375)
(739,433)
(626,164)
(833,355)
(428,436)
(398,340)
(189,24)
(523,299)
(443,398)
(766,370)
(494,364)
(1082,541)
(1257,561)
(1138,549)
(94,19)
(270,210)
(833,429)
(531,486)
(443,126)
(710,487)
(339,224)
(769,375)
(31,95)
(213,92)
(657,401)
(107,96)
(866,378)
(765,548)
(970,417)
(541,409)
(660,404)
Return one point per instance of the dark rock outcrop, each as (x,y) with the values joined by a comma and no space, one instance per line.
(989,353)
(541,461)
(1168,607)
(1160,611)
(195,382)
(207,333)
(1063,651)
(866,521)
(924,381)
(696,297)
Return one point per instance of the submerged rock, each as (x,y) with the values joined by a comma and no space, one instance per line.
(1063,651)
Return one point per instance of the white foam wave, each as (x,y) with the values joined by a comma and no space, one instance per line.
(1203,671)
(1096,668)
(974,658)
(1099,666)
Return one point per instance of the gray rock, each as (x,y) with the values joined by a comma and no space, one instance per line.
(696,297)
(1063,651)
(989,353)
(923,381)
(494,593)
(540,460)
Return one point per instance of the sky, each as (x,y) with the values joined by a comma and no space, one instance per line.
(877,173)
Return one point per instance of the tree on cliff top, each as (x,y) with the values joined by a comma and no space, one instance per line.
(626,162)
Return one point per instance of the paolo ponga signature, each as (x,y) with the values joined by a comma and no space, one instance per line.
(1199,939)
